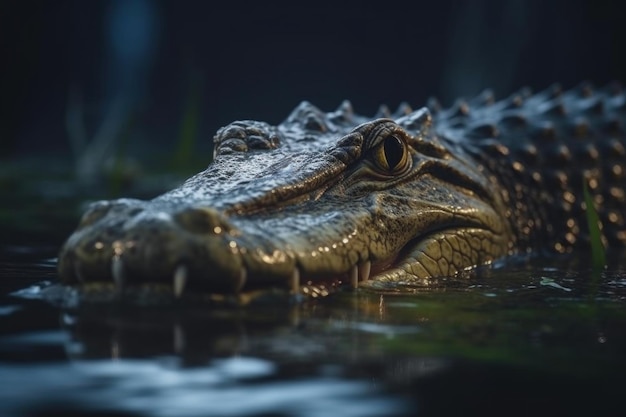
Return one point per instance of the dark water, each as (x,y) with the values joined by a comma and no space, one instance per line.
(545,337)
(519,340)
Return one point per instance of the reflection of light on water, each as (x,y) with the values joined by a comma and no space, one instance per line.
(162,388)
(34,292)
(617,282)
(377,328)
(8,310)
(30,339)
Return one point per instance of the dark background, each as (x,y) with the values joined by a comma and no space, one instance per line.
(257,60)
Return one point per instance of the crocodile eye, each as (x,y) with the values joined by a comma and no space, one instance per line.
(392,154)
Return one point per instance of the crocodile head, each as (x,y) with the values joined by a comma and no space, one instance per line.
(318,200)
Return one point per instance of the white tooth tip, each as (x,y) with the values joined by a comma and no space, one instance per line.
(243,277)
(179,339)
(78,272)
(117,271)
(354,277)
(364,271)
(180,280)
(295,281)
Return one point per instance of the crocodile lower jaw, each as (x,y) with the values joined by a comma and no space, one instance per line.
(299,284)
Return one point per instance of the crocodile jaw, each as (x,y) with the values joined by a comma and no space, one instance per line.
(388,238)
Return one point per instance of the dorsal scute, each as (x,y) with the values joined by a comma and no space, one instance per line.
(434,105)
(461,109)
(404,109)
(343,114)
(309,117)
(417,122)
(484,99)
(383,112)
(523,110)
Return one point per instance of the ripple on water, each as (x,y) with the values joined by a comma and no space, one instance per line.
(153,388)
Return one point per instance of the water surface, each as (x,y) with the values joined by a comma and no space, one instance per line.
(516,340)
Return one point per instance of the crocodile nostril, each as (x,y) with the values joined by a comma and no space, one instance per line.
(95,212)
(98,210)
(231,145)
(201,221)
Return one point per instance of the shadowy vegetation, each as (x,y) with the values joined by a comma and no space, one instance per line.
(183,160)
(598,252)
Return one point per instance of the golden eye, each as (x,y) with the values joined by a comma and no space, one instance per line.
(392,154)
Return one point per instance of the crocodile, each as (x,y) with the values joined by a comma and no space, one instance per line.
(336,199)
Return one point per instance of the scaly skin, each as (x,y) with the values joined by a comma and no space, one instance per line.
(329,198)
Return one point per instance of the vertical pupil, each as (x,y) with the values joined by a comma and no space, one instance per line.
(394,151)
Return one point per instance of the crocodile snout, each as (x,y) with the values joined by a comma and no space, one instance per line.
(126,245)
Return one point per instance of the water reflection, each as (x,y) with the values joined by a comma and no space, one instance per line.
(232,387)
(541,336)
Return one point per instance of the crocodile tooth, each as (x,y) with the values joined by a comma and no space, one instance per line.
(364,271)
(117,271)
(179,338)
(295,281)
(243,277)
(78,272)
(180,280)
(354,277)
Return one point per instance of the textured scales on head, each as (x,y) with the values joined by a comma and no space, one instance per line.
(398,199)
(537,137)
(307,124)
